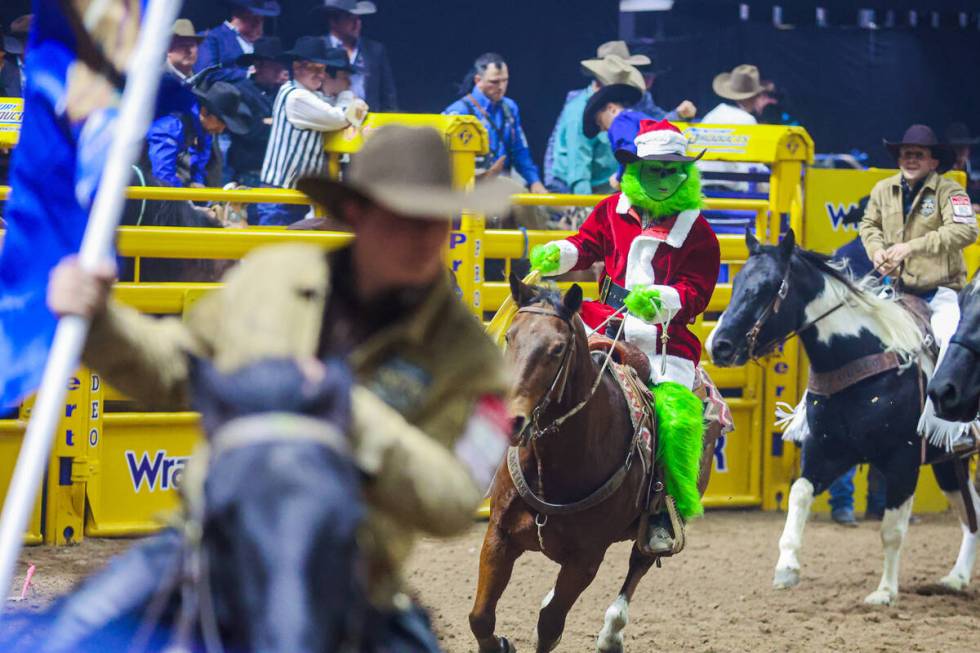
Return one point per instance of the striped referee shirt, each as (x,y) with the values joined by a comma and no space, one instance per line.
(295,149)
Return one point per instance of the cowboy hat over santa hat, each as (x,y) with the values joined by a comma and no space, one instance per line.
(657,141)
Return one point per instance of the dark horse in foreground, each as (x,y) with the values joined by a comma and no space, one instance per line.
(563,462)
(265,561)
(865,396)
(955,388)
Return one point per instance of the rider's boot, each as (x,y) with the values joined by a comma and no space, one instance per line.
(659,535)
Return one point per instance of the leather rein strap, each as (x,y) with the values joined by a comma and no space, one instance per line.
(830,383)
(537,503)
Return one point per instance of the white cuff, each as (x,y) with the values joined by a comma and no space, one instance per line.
(567,259)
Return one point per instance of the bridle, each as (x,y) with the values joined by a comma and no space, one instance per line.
(532,429)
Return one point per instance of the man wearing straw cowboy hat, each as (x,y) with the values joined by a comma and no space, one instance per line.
(431,381)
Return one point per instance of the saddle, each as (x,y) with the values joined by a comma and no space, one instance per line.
(829,383)
(623,353)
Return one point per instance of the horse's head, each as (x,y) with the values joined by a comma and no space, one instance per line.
(955,387)
(759,313)
(279,505)
(541,344)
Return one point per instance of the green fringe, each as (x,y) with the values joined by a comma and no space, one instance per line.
(545,258)
(688,196)
(680,436)
(644,302)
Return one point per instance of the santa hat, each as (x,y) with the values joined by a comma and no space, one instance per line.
(657,141)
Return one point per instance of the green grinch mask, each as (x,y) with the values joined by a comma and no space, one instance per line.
(662,188)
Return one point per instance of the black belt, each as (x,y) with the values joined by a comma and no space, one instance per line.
(612,294)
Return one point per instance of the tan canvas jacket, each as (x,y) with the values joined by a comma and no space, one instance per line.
(433,365)
(940,225)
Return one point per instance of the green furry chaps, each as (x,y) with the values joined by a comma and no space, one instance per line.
(680,437)
(687,196)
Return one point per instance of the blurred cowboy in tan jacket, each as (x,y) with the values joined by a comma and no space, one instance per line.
(421,359)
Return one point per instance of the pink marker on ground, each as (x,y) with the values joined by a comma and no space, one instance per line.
(27,581)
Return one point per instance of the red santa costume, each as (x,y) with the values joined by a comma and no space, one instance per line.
(678,255)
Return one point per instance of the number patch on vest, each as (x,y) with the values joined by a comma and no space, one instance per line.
(962,209)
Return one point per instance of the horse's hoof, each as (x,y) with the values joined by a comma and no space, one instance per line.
(881,597)
(506,646)
(954,582)
(611,644)
(785,579)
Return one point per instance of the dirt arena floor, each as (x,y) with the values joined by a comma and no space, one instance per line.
(715,597)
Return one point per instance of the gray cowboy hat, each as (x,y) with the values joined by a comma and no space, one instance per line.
(356,7)
(957,133)
(224,101)
(621,83)
(740,84)
(184,28)
(621,49)
(406,170)
(923,136)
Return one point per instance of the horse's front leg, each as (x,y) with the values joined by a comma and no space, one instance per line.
(959,576)
(610,638)
(798,509)
(496,564)
(573,578)
(894,526)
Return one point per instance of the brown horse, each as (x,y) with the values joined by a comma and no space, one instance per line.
(566,462)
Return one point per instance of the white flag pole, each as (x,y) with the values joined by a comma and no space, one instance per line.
(135,113)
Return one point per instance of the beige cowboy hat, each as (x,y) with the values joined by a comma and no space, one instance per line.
(408,171)
(621,50)
(740,84)
(184,28)
(620,82)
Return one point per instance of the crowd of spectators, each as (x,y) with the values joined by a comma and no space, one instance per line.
(237,108)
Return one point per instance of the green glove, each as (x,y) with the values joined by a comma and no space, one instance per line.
(644,302)
(545,258)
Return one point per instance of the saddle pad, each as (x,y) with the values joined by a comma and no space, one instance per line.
(639,400)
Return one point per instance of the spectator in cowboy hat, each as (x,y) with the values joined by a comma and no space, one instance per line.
(684,111)
(179,145)
(224,44)
(372,78)
(301,114)
(258,91)
(178,68)
(959,137)
(750,94)
(583,164)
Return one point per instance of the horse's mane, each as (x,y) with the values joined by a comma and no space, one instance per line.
(895,326)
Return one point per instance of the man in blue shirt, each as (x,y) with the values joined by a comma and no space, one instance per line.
(227,42)
(501,117)
(178,145)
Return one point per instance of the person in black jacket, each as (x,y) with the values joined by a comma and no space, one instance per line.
(372,79)
(258,91)
(11,52)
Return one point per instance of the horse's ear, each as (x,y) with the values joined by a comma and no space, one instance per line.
(573,299)
(787,245)
(521,292)
(751,241)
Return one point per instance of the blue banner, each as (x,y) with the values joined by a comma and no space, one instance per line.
(70,102)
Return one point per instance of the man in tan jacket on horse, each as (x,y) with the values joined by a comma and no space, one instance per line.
(431,382)
(917,225)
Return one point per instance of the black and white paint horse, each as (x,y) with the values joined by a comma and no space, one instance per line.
(955,388)
(783,291)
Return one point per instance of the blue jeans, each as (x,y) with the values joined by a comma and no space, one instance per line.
(842,491)
(280,214)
